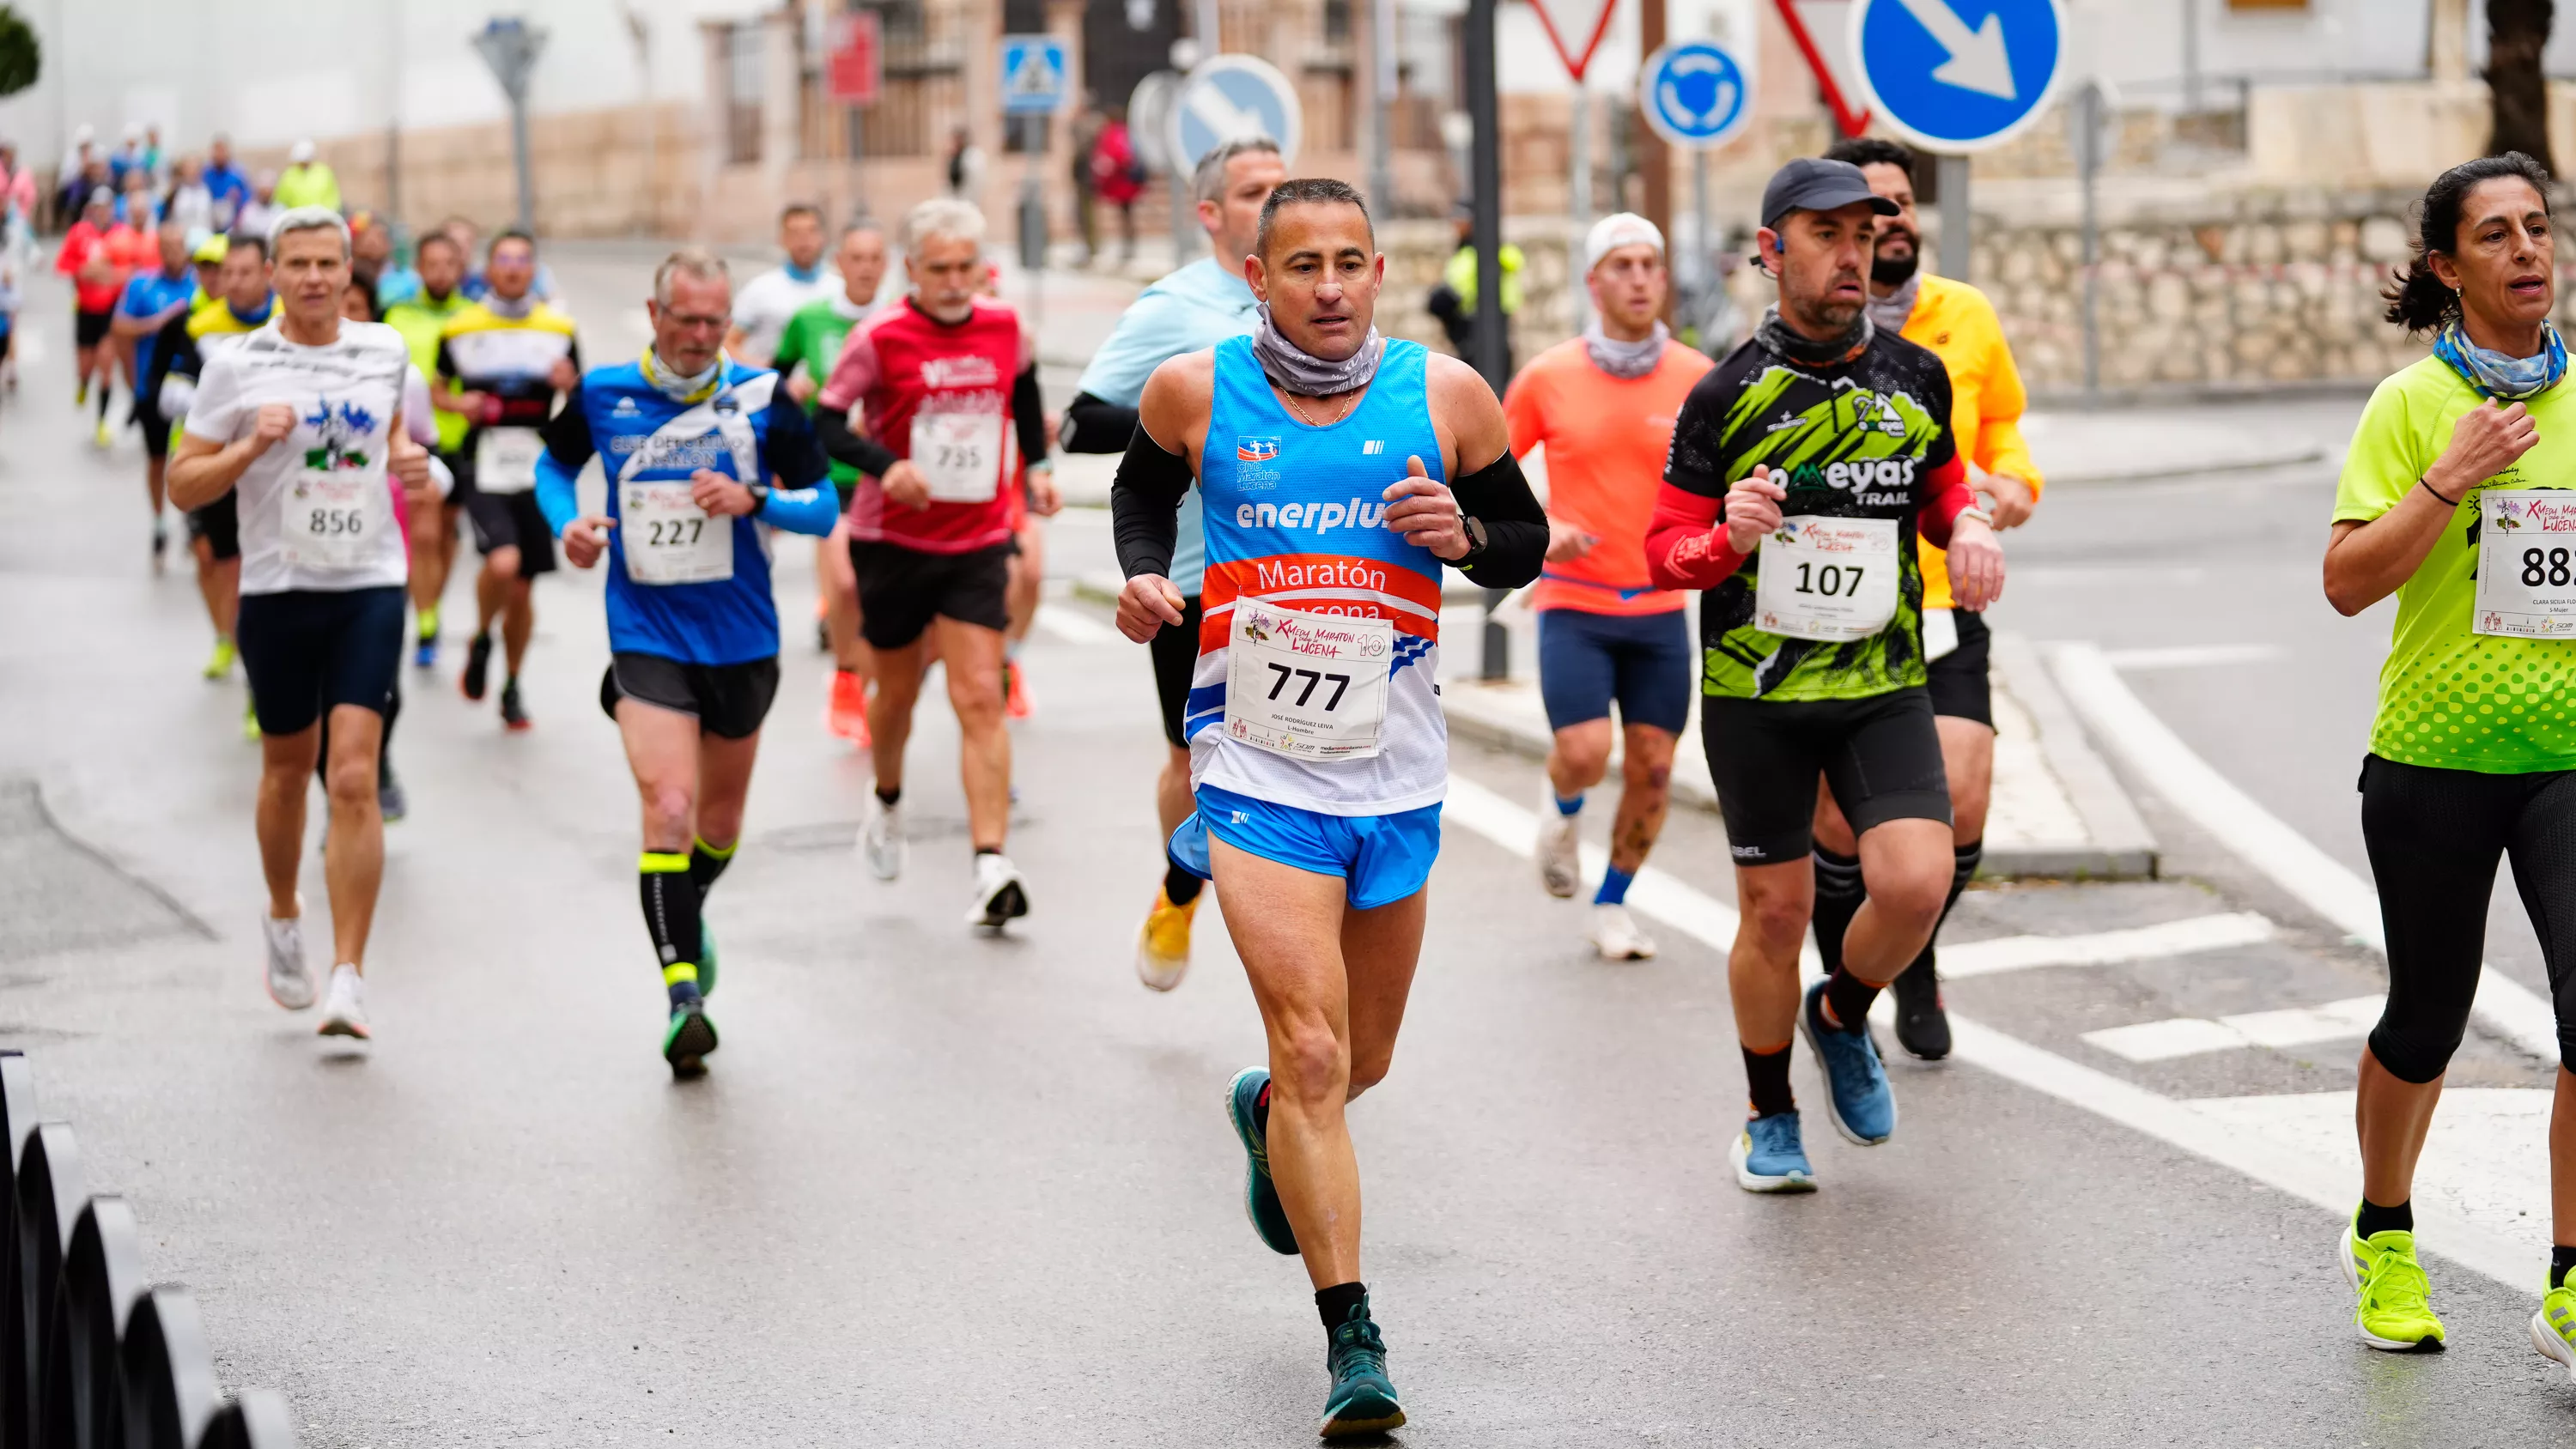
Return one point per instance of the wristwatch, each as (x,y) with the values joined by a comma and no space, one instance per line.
(759,497)
(1476,540)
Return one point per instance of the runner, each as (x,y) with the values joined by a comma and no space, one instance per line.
(152,301)
(99,253)
(300,421)
(422,319)
(1033,500)
(1322,450)
(806,350)
(693,630)
(944,378)
(1956,323)
(2455,498)
(243,306)
(502,364)
(1602,405)
(1813,659)
(1191,310)
(770,300)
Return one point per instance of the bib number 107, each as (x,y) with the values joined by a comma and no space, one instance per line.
(1830,580)
(1314,680)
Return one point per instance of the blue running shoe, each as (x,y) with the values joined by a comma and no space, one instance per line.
(1859,1101)
(1769,1155)
(1260,1198)
(1363,1400)
(424,655)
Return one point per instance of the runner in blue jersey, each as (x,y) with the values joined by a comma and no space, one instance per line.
(690,440)
(1198,306)
(151,302)
(1317,744)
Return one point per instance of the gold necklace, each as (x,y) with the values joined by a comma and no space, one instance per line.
(1353,397)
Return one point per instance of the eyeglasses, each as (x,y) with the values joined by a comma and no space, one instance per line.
(716,321)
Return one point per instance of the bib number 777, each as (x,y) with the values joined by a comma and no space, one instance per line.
(1308,686)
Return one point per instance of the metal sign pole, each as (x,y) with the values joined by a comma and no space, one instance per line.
(1383,83)
(511,47)
(1957,245)
(2088,159)
(1581,210)
(1486,192)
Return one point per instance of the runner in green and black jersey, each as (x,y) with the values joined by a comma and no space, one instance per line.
(1801,469)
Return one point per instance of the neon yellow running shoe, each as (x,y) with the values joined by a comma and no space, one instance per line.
(2391,1311)
(221,663)
(250,723)
(2553,1328)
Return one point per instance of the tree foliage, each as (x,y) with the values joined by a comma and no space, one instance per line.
(20,55)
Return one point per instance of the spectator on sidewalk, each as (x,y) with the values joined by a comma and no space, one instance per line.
(1119,176)
(1453,301)
(306,181)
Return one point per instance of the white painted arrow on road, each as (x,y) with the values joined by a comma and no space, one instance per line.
(1978,61)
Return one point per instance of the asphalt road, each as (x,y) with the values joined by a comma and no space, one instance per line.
(947,1190)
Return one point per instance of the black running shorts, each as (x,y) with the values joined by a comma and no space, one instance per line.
(902,589)
(89,329)
(156,428)
(308,651)
(219,524)
(728,700)
(1881,756)
(1957,680)
(512,520)
(1176,658)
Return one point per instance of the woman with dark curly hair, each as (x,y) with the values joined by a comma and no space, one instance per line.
(2459,496)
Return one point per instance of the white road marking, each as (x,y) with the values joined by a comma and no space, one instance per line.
(2212,801)
(2276,1145)
(2184,1036)
(1075,627)
(2105,948)
(2191,656)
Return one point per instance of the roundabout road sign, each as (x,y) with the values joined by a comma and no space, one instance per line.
(1695,94)
(1958,75)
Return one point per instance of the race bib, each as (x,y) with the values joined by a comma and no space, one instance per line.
(667,539)
(959,455)
(505,460)
(329,520)
(2527,563)
(1827,579)
(1308,686)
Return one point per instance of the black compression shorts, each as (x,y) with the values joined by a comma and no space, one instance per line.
(89,329)
(1957,680)
(728,701)
(219,524)
(1881,756)
(902,589)
(512,520)
(308,651)
(1176,657)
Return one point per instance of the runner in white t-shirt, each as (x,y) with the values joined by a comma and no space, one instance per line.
(761,309)
(300,422)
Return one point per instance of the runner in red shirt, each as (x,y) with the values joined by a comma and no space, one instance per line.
(946,383)
(99,254)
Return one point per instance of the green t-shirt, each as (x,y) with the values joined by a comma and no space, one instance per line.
(2449,698)
(813,341)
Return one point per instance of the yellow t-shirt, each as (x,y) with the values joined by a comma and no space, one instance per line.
(1959,326)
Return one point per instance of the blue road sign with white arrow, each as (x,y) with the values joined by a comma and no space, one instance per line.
(1231,96)
(1034,71)
(1695,94)
(1958,75)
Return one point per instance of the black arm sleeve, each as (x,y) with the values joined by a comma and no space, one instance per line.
(567,435)
(1497,496)
(1145,505)
(794,455)
(865,454)
(1028,416)
(1093,425)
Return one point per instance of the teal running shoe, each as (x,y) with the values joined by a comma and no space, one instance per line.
(706,958)
(1858,1098)
(1363,1399)
(1770,1155)
(688,1039)
(1260,1197)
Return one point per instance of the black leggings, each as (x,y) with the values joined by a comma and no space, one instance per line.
(2434,836)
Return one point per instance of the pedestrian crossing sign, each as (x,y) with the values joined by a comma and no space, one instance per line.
(1034,72)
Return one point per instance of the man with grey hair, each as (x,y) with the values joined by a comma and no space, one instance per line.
(948,381)
(1194,308)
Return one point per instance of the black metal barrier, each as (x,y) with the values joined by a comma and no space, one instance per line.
(92,1354)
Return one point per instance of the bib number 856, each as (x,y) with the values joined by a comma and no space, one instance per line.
(336,522)
(1830,580)
(1313,678)
(2545,567)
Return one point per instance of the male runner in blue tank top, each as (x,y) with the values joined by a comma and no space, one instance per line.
(1317,746)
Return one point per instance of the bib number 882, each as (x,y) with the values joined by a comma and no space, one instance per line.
(1830,580)
(2545,567)
(1313,678)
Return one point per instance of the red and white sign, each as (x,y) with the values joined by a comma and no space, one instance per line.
(857,70)
(1585,20)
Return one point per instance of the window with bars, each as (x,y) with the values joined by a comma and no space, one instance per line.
(743,45)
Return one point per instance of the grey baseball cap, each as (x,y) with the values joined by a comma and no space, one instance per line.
(1812,183)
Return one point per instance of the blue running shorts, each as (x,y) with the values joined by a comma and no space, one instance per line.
(1383,858)
(1643,661)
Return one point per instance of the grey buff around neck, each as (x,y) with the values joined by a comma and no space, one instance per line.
(1890,313)
(1295,370)
(1626,361)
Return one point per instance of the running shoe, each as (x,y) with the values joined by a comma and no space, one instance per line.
(160,543)
(105,438)
(706,958)
(1163,946)
(80,394)
(1363,1400)
(1260,1196)
(687,1040)
(1000,895)
(514,715)
(1616,936)
(2392,1308)
(1858,1099)
(391,802)
(881,839)
(290,980)
(424,654)
(845,711)
(2553,1327)
(1922,1022)
(1015,690)
(1770,1155)
(220,663)
(1560,836)
(250,720)
(344,1011)
(478,667)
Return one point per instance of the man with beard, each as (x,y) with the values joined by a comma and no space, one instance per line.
(1801,471)
(1958,325)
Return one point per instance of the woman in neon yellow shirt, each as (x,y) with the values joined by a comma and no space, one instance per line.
(2456,497)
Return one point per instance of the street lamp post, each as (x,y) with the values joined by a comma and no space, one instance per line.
(1484,112)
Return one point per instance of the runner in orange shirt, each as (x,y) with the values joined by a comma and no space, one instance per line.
(1602,405)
